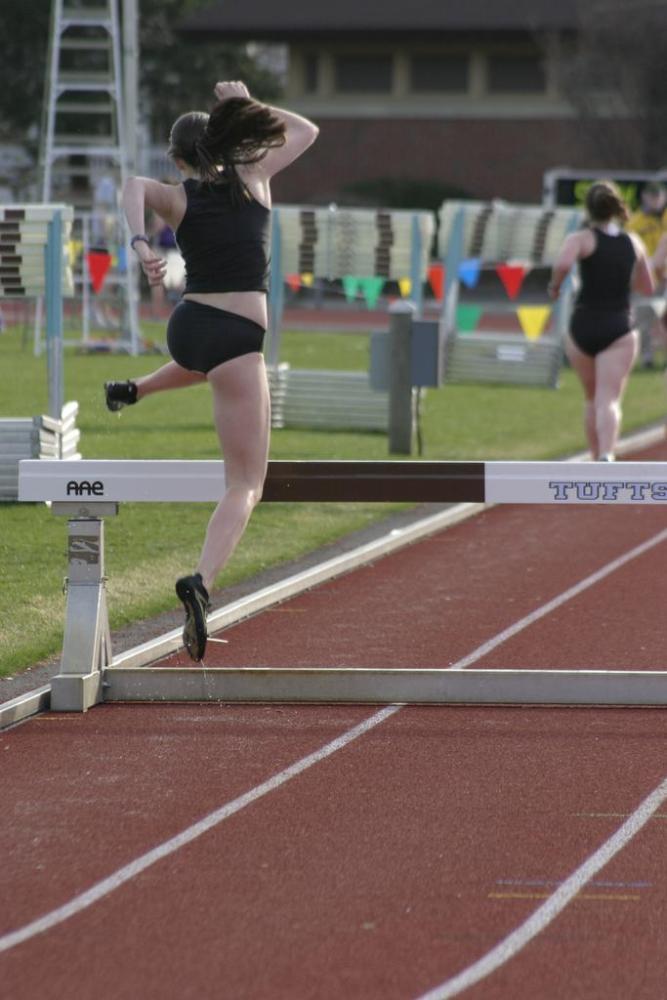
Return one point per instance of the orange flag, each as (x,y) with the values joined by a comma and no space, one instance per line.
(436,277)
(99,262)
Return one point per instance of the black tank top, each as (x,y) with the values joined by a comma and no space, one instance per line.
(225,246)
(606,276)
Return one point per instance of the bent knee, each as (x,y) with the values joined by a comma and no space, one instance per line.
(250,490)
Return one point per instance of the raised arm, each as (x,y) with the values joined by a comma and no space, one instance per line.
(300,133)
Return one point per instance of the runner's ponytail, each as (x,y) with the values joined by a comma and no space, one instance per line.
(238,131)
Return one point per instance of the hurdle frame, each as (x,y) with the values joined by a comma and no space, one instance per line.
(88,674)
(33,251)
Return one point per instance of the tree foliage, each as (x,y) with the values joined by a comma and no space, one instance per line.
(178,74)
(174,73)
(616,72)
(24,29)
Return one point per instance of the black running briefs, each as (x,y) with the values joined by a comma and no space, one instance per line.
(201,337)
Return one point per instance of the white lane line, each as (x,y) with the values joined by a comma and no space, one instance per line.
(550,606)
(118,878)
(557,902)
(131,870)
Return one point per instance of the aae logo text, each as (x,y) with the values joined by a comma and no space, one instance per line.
(85,488)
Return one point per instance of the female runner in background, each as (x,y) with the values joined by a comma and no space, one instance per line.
(602,343)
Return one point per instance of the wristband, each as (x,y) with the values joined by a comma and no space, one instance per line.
(139,238)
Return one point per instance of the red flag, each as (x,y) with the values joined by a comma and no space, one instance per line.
(436,277)
(99,262)
(512,276)
(294,281)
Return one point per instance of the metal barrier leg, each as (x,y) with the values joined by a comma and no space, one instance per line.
(87,640)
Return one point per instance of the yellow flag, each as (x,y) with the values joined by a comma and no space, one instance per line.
(307,279)
(405,286)
(533,319)
(74,248)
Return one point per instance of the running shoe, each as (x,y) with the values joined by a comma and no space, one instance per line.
(194,596)
(120,394)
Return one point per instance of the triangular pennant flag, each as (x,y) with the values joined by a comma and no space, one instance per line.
(294,281)
(405,286)
(307,279)
(512,276)
(371,287)
(436,277)
(533,319)
(99,262)
(351,286)
(469,271)
(467,317)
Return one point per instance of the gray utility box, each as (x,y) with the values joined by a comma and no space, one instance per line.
(426,356)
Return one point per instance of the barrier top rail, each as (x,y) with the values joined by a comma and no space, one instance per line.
(564,483)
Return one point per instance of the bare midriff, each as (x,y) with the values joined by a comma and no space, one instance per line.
(252,305)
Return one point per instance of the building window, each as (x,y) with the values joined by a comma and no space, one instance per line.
(515,74)
(310,72)
(367,74)
(430,72)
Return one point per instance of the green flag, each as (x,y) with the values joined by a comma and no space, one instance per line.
(467,317)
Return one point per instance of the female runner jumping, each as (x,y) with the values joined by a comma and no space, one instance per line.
(221,216)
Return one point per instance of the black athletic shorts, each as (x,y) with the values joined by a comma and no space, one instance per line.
(594,330)
(201,337)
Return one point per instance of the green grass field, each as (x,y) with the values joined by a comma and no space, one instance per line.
(148,545)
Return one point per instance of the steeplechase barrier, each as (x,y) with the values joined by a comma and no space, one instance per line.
(88,491)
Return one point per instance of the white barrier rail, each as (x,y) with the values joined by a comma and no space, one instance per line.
(156,481)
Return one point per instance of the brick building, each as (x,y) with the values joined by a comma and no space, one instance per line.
(466,95)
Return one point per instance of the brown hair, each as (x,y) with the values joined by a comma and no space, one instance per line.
(238,131)
(604,201)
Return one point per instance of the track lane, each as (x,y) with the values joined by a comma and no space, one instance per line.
(85,794)
(431,604)
(371,828)
(372,874)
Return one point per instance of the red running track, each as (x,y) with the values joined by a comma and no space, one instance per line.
(404,857)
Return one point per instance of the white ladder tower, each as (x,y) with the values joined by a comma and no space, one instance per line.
(84,121)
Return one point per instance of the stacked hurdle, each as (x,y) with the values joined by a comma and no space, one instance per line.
(483,244)
(35,437)
(34,263)
(87,491)
(25,246)
(362,248)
